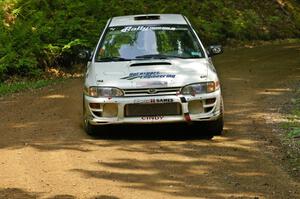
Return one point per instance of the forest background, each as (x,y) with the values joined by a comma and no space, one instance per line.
(36,35)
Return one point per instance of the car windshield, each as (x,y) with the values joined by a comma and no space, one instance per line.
(124,43)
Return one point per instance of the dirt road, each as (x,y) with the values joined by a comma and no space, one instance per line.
(44,152)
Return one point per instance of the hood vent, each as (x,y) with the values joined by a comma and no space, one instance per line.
(150,64)
(147,17)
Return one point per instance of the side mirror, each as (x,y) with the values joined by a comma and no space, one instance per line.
(214,50)
(85,55)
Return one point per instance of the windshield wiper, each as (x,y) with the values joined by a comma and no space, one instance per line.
(108,59)
(158,56)
(152,56)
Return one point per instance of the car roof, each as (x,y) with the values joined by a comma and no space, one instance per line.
(149,19)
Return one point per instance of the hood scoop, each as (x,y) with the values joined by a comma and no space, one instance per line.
(150,64)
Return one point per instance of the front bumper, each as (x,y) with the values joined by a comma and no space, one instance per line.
(207,108)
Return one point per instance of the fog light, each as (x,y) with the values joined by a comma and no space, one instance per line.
(110,110)
(195,107)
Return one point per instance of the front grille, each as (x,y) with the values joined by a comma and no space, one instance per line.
(151,91)
(139,110)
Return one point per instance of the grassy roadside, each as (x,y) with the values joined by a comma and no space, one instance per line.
(291,128)
(18,86)
(50,77)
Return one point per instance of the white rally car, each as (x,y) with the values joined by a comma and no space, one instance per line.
(151,69)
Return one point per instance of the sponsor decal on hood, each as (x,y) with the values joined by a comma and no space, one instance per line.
(148,75)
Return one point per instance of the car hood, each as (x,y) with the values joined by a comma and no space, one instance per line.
(151,73)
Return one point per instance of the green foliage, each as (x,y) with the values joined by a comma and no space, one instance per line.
(36,34)
(293,125)
(294,133)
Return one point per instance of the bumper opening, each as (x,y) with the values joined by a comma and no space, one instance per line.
(210,101)
(140,110)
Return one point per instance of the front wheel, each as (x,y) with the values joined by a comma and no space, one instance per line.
(216,127)
(88,128)
(211,128)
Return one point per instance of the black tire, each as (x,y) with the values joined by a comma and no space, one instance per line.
(210,128)
(89,129)
(216,127)
(213,128)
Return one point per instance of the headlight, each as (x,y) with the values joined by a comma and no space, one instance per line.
(95,91)
(200,88)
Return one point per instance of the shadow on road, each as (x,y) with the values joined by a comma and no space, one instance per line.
(15,193)
(166,132)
